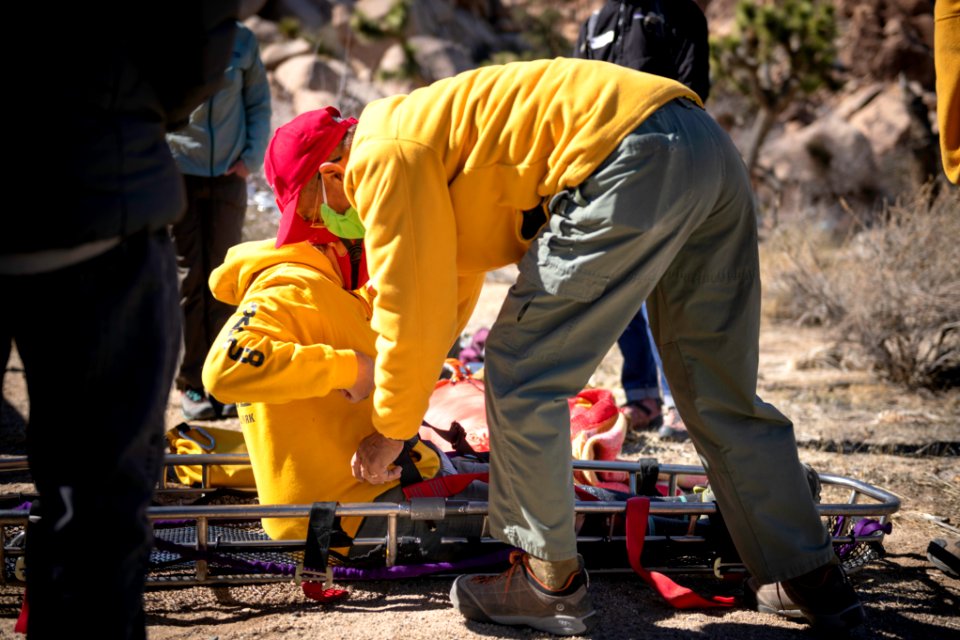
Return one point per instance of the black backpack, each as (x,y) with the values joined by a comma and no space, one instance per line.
(665,37)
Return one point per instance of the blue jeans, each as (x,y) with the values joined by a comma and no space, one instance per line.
(642,374)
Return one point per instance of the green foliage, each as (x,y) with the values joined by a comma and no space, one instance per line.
(777,50)
(390,25)
(289,27)
(323,40)
(541,35)
(407,71)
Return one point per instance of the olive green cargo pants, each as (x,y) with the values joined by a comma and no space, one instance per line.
(670,215)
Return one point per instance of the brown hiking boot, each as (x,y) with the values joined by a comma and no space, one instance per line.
(771,598)
(824,597)
(516,596)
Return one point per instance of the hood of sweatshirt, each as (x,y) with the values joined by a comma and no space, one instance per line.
(230,281)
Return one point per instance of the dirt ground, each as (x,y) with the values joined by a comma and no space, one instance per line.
(847,424)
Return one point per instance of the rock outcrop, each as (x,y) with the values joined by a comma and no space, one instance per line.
(875,137)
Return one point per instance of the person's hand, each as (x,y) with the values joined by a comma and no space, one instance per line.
(372,460)
(240,168)
(363,385)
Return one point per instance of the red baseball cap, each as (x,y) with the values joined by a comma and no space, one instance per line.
(293,158)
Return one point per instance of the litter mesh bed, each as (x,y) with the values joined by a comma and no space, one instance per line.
(229,551)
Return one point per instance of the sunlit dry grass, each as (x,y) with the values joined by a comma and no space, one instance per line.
(890,292)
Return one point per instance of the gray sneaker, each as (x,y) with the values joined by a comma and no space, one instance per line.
(196,405)
(673,427)
(516,597)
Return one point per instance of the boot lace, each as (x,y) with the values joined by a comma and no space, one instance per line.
(516,563)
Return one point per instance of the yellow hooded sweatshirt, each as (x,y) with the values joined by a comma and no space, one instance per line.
(280,357)
(946,51)
(441,177)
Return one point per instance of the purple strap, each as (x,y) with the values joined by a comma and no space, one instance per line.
(867,526)
(864,527)
(339,572)
(415,570)
(257,566)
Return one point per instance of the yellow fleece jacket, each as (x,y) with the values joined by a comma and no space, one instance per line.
(291,343)
(441,177)
(946,52)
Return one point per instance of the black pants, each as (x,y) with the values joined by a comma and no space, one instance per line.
(98,342)
(213,223)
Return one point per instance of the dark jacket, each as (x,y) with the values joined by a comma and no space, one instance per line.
(666,37)
(92,158)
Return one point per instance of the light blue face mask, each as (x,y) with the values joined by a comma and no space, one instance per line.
(343,225)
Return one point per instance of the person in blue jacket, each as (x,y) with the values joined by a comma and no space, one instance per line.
(217,151)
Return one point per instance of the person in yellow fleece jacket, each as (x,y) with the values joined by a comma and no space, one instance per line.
(606,186)
(301,326)
(946,44)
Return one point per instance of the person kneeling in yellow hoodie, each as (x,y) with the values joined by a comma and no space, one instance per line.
(291,354)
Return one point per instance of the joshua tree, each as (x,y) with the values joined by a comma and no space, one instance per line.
(776,51)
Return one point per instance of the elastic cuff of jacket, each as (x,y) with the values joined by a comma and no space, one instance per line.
(344,371)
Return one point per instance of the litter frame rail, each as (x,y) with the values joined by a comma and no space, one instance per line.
(863,500)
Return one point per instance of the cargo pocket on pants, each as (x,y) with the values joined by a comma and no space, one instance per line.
(570,251)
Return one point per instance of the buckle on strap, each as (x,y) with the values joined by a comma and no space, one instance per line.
(323,532)
(304,574)
(183,430)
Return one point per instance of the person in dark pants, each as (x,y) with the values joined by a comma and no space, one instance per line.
(91,273)
(217,151)
(669,38)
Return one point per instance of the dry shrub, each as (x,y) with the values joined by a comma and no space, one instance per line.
(892,290)
(796,261)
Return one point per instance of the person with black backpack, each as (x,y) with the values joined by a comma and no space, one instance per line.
(670,39)
(666,37)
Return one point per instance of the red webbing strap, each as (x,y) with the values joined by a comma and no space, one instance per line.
(443,486)
(321,593)
(446,486)
(638,509)
(21,624)
(583,494)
